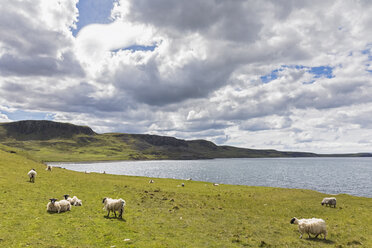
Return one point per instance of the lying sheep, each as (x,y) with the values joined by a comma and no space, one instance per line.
(77,201)
(114,205)
(310,226)
(55,206)
(49,168)
(331,201)
(32,174)
(74,201)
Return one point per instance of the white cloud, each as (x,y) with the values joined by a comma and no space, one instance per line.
(203,77)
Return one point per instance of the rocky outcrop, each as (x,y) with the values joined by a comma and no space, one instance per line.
(43,130)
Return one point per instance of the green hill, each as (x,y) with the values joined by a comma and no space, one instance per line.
(54,141)
(163,214)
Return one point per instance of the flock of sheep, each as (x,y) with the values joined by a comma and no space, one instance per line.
(55,206)
(310,227)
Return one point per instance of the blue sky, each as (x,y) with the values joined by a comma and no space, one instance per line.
(317,72)
(275,75)
(93,11)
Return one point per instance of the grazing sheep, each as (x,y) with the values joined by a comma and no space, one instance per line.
(114,205)
(182,184)
(32,174)
(55,206)
(151,181)
(74,201)
(215,184)
(49,168)
(329,201)
(310,226)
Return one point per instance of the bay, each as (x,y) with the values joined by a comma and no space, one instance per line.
(328,175)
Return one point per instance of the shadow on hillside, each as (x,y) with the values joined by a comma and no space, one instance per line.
(49,212)
(110,218)
(321,240)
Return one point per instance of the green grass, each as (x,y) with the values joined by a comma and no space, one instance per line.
(165,215)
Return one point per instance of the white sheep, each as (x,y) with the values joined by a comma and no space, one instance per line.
(49,168)
(32,174)
(331,201)
(151,181)
(65,205)
(114,205)
(310,226)
(55,206)
(74,201)
(77,201)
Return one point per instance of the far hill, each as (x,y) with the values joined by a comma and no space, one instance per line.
(55,141)
(41,130)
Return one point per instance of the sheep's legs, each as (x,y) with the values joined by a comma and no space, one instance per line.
(108,213)
(301,236)
(115,213)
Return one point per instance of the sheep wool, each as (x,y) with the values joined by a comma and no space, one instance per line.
(32,174)
(329,201)
(76,201)
(65,205)
(310,226)
(53,206)
(113,205)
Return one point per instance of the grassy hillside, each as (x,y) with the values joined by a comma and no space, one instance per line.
(53,141)
(165,215)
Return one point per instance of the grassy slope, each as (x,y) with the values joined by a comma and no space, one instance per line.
(128,147)
(223,216)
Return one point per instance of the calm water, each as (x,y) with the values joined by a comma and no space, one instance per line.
(328,175)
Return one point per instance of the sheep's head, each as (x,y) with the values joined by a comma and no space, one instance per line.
(66,196)
(322,203)
(53,200)
(293,220)
(104,199)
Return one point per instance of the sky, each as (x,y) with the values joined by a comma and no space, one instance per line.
(272,74)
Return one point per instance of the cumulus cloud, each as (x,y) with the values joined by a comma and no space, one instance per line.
(234,72)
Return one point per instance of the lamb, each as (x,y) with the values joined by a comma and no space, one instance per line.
(114,205)
(329,201)
(310,226)
(49,168)
(55,206)
(32,174)
(74,201)
(77,201)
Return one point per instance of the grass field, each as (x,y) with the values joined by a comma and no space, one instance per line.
(163,214)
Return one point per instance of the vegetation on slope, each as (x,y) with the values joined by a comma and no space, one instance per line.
(163,214)
(53,141)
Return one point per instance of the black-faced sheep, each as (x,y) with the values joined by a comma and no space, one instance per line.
(310,226)
(32,174)
(49,168)
(151,181)
(55,206)
(330,201)
(114,205)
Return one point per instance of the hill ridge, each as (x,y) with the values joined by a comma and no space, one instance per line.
(56,141)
